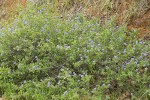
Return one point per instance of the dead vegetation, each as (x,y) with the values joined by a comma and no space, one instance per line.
(134,13)
(9,7)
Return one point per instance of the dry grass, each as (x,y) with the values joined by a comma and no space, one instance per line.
(9,7)
(135,13)
(2,99)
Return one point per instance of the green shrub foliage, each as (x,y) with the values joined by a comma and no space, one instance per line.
(44,57)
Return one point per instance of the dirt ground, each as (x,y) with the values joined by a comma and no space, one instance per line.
(1,99)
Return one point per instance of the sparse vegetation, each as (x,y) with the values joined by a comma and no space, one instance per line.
(47,56)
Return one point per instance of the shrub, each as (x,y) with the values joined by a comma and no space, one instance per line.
(44,57)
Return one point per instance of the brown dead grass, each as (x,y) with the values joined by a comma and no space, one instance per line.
(8,7)
(134,13)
